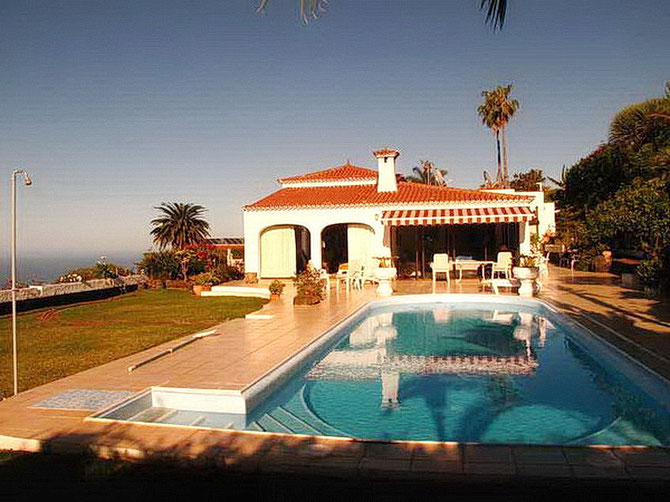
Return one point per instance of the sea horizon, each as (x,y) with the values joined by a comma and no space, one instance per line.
(35,268)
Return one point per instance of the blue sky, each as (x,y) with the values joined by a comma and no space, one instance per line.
(117,106)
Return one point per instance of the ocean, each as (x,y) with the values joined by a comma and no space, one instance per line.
(41,269)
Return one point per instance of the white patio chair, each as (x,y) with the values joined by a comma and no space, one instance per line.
(368,273)
(354,274)
(441,265)
(342,275)
(543,265)
(503,264)
(325,276)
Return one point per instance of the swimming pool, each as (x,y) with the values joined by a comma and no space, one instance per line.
(453,368)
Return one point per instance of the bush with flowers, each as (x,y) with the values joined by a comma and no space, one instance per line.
(310,287)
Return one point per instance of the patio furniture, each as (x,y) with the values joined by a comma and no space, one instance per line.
(503,264)
(496,284)
(472,265)
(569,259)
(347,273)
(543,265)
(441,265)
(355,275)
(369,274)
(325,276)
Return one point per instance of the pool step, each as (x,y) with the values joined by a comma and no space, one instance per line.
(255,426)
(237,291)
(296,423)
(151,415)
(271,424)
(623,432)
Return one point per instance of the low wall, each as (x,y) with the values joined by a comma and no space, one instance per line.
(51,295)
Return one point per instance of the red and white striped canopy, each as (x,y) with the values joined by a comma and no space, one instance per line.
(415,217)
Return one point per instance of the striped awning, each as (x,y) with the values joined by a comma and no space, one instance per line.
(472,215)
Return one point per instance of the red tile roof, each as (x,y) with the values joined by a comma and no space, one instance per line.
(367,195)
(347,172)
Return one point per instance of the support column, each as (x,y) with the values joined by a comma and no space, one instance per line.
(524,238)
(251,247)
(315,246)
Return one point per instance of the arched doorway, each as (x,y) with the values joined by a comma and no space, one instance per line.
(344,243)
(284,251)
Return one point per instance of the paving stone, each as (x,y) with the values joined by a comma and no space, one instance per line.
(489,468)
(384,468)
(644,457)
(592,457)
(436,465)
(443,451)
(488,453)
(600,472)
(649,472)
(536,455)
(388,450)
(545,470)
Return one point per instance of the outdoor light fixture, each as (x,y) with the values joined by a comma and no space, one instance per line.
(27,181)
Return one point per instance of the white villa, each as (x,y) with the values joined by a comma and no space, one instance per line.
(348,213)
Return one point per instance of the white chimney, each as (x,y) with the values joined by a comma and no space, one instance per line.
(386,180)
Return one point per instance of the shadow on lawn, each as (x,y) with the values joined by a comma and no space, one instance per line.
(212,463)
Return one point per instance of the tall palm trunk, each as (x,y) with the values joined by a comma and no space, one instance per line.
(499,172)
(504,154)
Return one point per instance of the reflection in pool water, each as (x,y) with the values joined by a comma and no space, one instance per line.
(464,373)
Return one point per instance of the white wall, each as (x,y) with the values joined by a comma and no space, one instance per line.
(315,220)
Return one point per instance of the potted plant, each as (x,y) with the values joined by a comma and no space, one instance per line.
(385,273)
(526,271)
(276,287)
(204,282)
(310,287)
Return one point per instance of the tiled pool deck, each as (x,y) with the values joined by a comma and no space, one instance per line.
(243,350)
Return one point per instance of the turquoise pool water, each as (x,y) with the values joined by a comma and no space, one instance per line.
(469,372)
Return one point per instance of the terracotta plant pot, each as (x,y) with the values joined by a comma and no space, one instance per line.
(274,297)
(306,300)
(197,289)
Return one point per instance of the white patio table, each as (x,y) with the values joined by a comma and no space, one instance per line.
(472,265)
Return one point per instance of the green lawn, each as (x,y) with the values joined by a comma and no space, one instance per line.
(87,335)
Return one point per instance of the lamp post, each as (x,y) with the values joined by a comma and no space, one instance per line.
(27,181)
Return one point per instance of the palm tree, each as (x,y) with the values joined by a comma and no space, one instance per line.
(496,112)
(179,225)
(641,123)
(507,109)
(428,174)
(489,114)
(312,9)
(562,181)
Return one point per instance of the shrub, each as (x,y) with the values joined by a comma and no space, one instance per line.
(70,277)
(276,287)
(527,261)
(226,273)
(206,279)
(164,265)
(192,260)
(309,284)
(650,272)
(99,271)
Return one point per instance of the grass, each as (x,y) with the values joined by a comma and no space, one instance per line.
(77,337)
